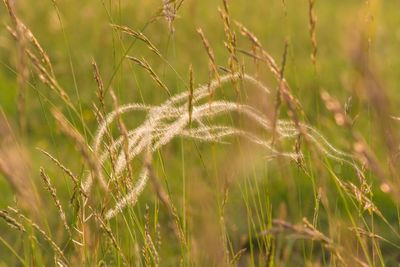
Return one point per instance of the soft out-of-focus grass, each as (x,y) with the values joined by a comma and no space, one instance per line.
(196,174)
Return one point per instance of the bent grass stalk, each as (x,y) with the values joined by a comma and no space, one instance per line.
(171,119)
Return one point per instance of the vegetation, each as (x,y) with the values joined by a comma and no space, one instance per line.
(199,133)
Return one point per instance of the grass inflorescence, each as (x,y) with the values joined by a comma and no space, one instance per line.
(245,168)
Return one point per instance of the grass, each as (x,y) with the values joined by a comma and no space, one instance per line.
(191,133)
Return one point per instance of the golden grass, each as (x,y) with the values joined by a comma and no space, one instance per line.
(123,159)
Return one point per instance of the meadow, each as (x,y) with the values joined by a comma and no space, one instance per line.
(199,133)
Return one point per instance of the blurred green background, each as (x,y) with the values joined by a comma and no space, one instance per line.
(74,33)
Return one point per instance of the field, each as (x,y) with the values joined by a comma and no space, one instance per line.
(199,133)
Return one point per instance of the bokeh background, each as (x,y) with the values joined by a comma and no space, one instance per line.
(352,36)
